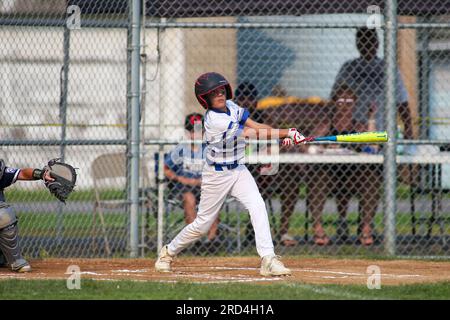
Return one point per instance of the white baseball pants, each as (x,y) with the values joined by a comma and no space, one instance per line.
(216,185)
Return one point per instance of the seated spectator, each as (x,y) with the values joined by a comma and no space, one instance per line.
(344,181)
(183,167)
(365,75)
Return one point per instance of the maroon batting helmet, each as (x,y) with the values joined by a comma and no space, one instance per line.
(208,82)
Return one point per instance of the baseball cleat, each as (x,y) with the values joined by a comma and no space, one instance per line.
(164,261)
(272,266)
(21,265)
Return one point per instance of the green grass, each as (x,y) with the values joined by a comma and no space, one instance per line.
(42,195)
(79,224)
(72,224)
(21,195)
(329,219)
(124,290)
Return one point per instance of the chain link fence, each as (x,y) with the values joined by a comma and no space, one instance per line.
(70,88)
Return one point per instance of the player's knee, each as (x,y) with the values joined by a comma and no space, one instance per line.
(200,226)
(7,217)
(258,205)
(204,228)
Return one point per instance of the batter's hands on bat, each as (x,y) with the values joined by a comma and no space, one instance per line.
(295,137)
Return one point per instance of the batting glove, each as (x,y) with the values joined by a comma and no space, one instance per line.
(295,136)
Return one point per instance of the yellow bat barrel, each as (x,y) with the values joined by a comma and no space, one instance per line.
(372,136)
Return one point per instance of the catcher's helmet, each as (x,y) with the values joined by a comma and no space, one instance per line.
(192,120)
(208,82)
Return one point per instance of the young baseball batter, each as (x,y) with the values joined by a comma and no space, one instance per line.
(226,126)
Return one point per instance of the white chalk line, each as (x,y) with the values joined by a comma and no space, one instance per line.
(88,273)
(220,278)
(234,268)
(131,271)
(224,278)
(218,268)
(364,275)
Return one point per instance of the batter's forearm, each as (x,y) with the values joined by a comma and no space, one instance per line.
(278,133)
(255,129)
(269,133)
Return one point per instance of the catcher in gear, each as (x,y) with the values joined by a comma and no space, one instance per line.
(10,252)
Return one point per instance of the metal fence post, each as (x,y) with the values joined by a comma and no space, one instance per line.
(390,165)
(160,178)
(160,231)
(144,57)
(135,7)
(64,83)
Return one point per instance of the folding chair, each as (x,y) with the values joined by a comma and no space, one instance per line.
(433,186)
(106,170)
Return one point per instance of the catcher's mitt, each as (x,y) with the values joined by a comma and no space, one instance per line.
(65,177)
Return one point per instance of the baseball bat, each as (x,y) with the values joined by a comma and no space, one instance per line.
(359,137)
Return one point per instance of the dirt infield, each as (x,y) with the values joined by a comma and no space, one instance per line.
(241,269)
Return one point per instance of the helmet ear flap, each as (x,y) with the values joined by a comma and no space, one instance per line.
(204,100)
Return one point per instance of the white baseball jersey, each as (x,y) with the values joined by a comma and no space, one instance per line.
(225,175)
(223,130)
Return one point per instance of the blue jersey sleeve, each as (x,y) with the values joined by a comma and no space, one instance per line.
(245,115)
(9,177)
